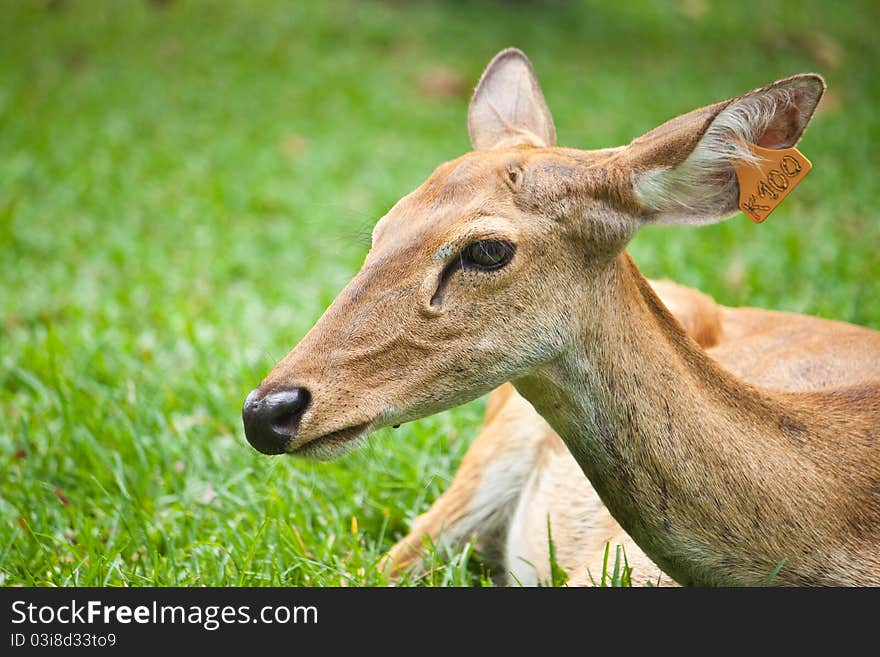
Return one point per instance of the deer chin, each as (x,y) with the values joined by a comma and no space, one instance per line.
(333,445)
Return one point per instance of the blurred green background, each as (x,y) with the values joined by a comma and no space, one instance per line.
(186,185)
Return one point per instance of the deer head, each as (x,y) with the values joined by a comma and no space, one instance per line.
(493,267)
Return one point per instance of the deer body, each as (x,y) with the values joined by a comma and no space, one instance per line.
(509,264)
(517,474)
(716,480)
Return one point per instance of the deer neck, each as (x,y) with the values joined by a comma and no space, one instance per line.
(687,458)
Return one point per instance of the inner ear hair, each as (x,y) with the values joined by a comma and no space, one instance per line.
(774,118)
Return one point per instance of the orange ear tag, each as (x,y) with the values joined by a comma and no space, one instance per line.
(763,185)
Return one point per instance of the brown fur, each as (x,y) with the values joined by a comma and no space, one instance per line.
(720,464)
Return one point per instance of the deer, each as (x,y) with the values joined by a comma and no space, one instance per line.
(758,456)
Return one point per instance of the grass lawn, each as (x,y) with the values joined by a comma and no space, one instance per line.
(185,186)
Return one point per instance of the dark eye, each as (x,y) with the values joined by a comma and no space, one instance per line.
(487,254)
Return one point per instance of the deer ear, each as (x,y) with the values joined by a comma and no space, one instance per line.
(683,170)
(508,108)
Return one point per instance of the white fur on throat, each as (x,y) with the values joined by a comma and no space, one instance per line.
(703,189)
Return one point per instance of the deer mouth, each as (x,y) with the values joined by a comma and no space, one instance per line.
(332,445)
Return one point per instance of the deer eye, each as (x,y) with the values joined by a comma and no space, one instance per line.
(487,254)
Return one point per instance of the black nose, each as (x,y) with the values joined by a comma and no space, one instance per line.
(271,421)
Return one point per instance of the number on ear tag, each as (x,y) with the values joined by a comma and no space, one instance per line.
(764,184)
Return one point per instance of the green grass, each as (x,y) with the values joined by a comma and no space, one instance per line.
(184,188)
